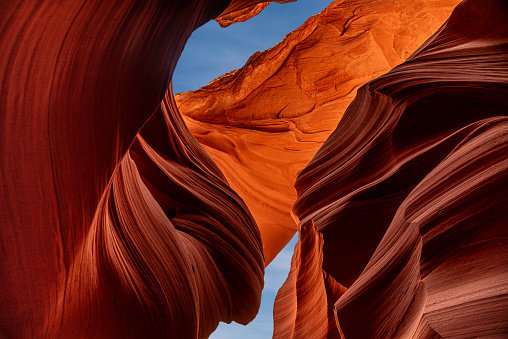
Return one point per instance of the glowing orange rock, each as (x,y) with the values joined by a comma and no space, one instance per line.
(242,15)
(263,123)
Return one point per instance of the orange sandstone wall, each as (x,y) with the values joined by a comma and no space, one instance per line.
(117,223)
(263,123)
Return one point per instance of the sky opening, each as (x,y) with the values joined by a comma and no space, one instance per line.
(213,51)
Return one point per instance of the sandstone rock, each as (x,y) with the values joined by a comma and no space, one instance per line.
(263,123)
(117,223)
(242,15)
(228,18)
(410,192)
(98,241)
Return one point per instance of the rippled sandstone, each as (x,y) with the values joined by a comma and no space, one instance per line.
(109,230)
(263,123)
(117,223)
(410,195)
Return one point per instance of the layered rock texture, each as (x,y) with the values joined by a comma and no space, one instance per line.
(109,230)
(117,223)
(263,123)
(409,196)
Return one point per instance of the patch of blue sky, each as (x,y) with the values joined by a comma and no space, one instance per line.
(213,51)
(262,327)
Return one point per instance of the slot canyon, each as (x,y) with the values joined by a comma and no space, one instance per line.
(377,132)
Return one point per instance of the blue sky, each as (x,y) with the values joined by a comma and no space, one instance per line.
(212,51)
(262,327)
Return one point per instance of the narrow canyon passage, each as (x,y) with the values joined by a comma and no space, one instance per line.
(263,123)
(377,129)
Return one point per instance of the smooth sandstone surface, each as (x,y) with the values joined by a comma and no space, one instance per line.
(242,15)
(115,222)
(263,123)
(410,193)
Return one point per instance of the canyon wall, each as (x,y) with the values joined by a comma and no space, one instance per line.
(116,222)
(263,123)
(98,240)
(410,196)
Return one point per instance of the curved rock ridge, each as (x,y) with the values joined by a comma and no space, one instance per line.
(231,16)
(98,240)
(308,290)
(263,123)
(242,15)
(410,192)
(242,6)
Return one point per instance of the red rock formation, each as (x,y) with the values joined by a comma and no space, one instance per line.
(307,291)
(96,240)
(410,192)
(231,16)
(116,223)
(242,15)
(263,123)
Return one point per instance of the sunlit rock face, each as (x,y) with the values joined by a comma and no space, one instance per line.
(263,123)
(107,232)
(117,223)
(409,196)
(242,15)
(237,12)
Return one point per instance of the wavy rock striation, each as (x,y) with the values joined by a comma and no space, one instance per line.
(116,222)
(107,232)
(263,123)
(307,281)
(410,193)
